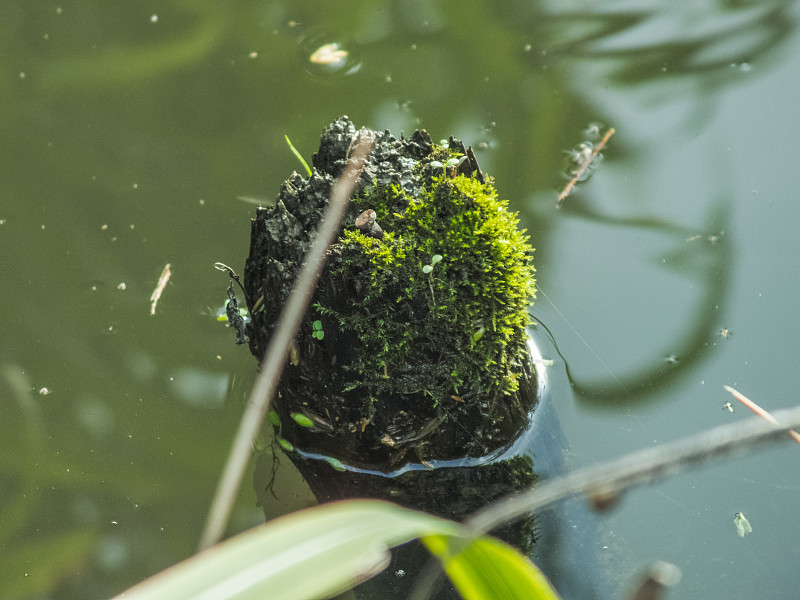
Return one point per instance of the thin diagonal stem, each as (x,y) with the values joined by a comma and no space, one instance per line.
(604,482)
(278,349)
(759,411)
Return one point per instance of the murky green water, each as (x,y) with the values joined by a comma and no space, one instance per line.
(138,135)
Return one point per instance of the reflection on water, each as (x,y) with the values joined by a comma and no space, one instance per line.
(199,388)
(326,58)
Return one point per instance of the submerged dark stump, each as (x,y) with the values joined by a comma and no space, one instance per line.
(415,347)
(411,370)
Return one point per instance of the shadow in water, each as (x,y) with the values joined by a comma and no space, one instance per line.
(562,541)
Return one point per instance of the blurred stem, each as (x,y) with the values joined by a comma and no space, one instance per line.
(604,483)
(278,349)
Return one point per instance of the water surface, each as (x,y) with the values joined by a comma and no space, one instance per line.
(131,142)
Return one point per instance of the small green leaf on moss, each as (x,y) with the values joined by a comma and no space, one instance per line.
(427,268)
(336,464)
(285,444)
(301,419)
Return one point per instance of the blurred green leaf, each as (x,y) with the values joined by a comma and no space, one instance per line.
(313,553)
(488,569)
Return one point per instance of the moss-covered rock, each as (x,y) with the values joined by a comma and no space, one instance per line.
(417,335)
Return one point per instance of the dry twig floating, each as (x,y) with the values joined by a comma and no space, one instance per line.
(759,411)
(568,189)
(162,283)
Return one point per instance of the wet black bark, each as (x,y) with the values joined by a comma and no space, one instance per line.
(404,424)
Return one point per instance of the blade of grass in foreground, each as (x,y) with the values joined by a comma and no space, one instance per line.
(314,553)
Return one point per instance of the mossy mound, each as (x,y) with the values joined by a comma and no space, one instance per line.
(416,339)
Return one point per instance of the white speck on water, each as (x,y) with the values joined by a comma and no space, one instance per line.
(154,19)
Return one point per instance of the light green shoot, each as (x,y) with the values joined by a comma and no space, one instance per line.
(434,259)
(428,269)
(743,526)
(317,332)
(451,163)
(298,155)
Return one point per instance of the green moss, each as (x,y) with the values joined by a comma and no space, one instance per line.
(456,331)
